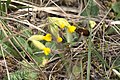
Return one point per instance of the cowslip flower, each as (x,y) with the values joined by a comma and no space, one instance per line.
(46,50)
(62,25)
(59,39)
(61,22)
(47,37)
(41,46)
(71,29)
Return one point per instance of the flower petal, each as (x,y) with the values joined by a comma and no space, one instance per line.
(62,25)
(48,37)
(46,51)
(59,39)
(71,29)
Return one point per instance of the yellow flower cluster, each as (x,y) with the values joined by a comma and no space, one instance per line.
(38,44)
(62,23)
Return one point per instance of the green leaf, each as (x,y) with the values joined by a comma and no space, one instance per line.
(116,7)
(25,44)
(8,2)
(0,5)
(117,16)
(51,45)
(112,30)
(76,70)
(100,57)
(92,9)
(3,6)
(23,74)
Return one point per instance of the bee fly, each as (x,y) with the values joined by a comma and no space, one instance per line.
(82,31)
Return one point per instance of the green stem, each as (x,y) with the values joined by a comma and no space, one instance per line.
(89,58)
(89,42)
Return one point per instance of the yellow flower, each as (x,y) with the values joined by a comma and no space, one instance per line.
(71,29)
(47,37)
(38,44)
(41,46)
(92,23)
(36,37)
(59,39)
(61,22)
(46,50)
(62,25)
